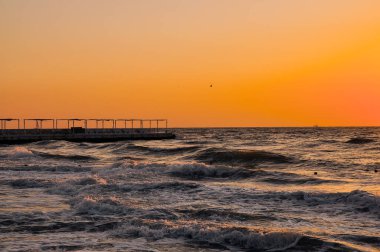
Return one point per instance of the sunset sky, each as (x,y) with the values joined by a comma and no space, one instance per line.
(271,62)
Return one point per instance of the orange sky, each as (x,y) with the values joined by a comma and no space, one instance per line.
(271,62)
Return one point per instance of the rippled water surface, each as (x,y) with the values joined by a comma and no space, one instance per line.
(257,189)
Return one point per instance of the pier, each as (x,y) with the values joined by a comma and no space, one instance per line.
(17,131)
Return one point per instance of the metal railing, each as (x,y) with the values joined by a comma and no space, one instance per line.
(55,125)
(4,121)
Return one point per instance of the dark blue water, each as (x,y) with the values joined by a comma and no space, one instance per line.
(257,189)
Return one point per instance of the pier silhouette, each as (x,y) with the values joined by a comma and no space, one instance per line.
(15,131)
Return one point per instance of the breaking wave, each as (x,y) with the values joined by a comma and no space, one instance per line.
(361,201)
(194,170)
(145,149)
(91,205)
(198,171)
(20,152)
(252,157)
(175,185)
(65,157)
(51,143)
(223,238)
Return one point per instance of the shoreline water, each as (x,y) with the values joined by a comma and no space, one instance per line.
(210,190)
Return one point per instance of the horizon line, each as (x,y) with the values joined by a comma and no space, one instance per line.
(226,127)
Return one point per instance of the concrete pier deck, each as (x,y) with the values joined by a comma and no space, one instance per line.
(74,133)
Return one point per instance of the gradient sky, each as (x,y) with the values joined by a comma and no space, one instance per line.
(271,62)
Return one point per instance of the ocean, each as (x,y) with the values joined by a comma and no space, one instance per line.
(224,189)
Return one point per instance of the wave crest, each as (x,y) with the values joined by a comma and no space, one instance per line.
(197,171)
(252,157)
(64,156)
(237,237)
(362,201)
(156,150)
(20,152)
(91,205)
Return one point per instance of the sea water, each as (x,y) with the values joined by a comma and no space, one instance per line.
(235,189)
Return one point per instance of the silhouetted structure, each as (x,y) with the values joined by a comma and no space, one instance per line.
(79,130)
